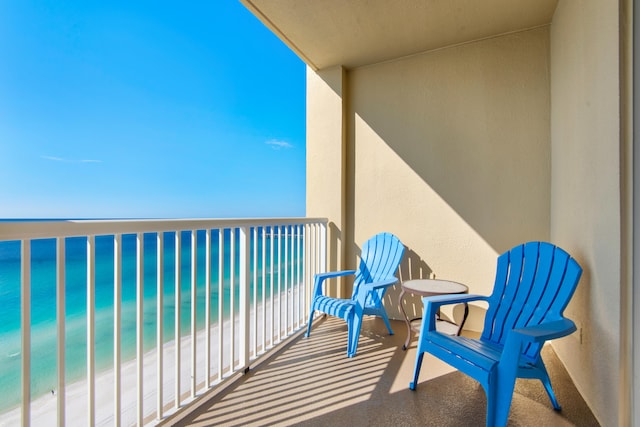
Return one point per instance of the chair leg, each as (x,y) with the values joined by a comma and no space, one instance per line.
(419,355)
(491,407)
(354,324)
(350,351)
(309,323)
(547,386)
(416,371)
(384,316)
(546,382)
(499,401)
(500,414)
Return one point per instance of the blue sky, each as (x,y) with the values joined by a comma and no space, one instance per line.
(134,109)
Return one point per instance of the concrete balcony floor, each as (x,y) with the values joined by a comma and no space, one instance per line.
(311,382)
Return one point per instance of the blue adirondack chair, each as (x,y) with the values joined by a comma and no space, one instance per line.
(534,283)
(379,260)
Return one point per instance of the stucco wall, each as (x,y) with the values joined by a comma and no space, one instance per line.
(450,151)
(326,159)
(585,192)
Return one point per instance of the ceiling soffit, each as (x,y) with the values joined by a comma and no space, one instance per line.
(355,33)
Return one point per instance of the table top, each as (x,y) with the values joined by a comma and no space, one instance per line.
(431,287)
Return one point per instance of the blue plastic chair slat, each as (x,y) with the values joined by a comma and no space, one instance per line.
(534,283)
(379,261)
(335,306)
(388,265)
(495,299)
(542,272)
(474,368)
(478,352)
(506,300)
(571,275)
(543,309)
(369,263)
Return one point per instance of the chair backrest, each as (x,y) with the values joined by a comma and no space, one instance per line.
(534,283)
(379,260)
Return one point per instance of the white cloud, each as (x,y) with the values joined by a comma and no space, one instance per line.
(60,159)
(278,145)
(55,159)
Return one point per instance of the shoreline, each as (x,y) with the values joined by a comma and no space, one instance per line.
(44,408)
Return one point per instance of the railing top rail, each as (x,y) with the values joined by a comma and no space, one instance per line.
(45,229)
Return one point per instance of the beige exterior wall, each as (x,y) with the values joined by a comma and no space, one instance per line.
(326,158)
(450,151)
(585,190)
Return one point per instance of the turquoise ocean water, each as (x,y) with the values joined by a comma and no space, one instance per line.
(43,304)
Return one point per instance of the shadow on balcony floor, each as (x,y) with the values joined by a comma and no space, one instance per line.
(311,382)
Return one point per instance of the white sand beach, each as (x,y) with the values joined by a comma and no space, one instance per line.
(44,408)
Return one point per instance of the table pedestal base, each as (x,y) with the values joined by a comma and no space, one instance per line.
(422,288)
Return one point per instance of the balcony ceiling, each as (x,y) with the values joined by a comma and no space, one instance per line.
(354,33)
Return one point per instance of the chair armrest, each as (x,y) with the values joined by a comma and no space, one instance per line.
(330,274)
(433,303)
(377,285)
(440,300)
(546,331)
(518,338)
(321,277)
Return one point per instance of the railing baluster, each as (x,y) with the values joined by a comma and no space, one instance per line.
(232,301)
(286,280)
(159,324)
(25,325)
(255,292)
(279,291)
(91,386)
(220,302)
(139,325)
(299,284)
(290,260)
(194,258)
(303,272)
(117,327)
(294,288)
(292,269)
(309,264)
(207,310)
(264,288)
(318,263)
(309,270)
(295,304)
(316,254)
(244,256)
(272,327)
(313,262)
(323,247)
(60,326)
(176,343)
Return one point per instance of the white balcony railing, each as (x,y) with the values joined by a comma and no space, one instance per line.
(124,322)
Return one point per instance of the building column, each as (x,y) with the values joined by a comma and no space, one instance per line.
(326,153)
